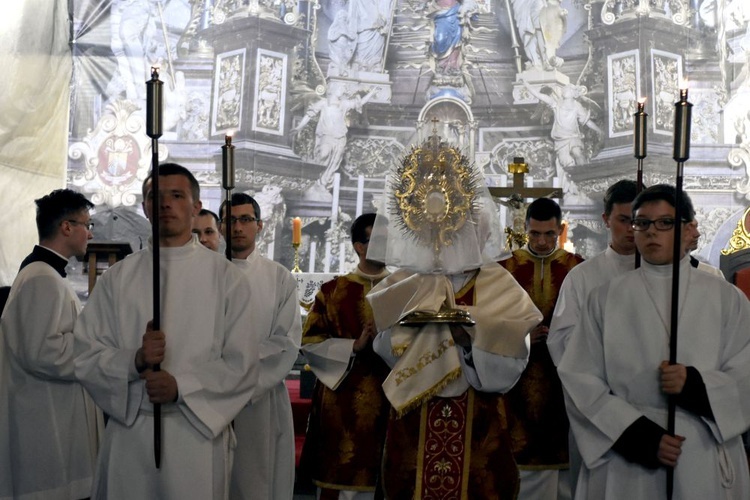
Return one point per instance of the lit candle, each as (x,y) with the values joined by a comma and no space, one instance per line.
(683,110)
(227,163)
(296,231)
(640,119)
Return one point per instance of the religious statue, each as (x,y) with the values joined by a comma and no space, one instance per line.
(342,42)
(369,21)
(571,109)
(450,20)
(541,25)
(332,127)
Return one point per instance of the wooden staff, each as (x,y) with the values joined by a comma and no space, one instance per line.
(227,182)
(681,154)
(640,143)
(154,89)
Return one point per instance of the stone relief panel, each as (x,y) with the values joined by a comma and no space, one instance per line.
(624,75)
(270,92)
(228,92)
(666,71)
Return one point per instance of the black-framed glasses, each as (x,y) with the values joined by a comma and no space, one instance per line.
(88,225)
(664,224)
(243,219)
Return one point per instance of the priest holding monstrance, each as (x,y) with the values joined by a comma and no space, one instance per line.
(453,326)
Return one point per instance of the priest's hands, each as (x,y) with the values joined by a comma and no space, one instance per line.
(365,338)
(673,377)
(670,448)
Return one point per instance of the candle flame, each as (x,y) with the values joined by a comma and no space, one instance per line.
(642,100)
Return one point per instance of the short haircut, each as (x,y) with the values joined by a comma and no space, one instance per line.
(205,211)
(241,199)
(543,209)
(622,191)
(56,207)
(359,227)
(668,193)
(166,169)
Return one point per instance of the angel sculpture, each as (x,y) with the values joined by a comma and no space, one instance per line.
(571,109)
(333,126)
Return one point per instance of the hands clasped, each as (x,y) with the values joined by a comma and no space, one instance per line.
(161,386)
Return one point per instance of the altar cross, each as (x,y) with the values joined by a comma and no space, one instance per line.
(519,168)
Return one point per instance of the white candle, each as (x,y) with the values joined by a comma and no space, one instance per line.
(360,193)
(342,256)
(269,252)
(555,182)
(327,261)
(313,252)
(335,202)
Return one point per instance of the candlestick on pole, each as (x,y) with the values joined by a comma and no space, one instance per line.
(227,182)
(681,153)
(154,106)
(640,143)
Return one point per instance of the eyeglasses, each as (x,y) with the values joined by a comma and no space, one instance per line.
(88,225)
(660,224)
(245,219)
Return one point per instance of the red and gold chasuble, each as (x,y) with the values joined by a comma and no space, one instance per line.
(536,408)
(451,448)
(346,428)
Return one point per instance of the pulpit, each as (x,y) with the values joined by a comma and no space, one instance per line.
(101,255)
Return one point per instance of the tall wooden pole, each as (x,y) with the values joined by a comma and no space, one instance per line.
(640,146)
(154,88)
(681,154)
(227,181)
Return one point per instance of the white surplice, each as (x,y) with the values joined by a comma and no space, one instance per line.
(211,350)
(264,457)
(576,286)
(610,371)
(48,424)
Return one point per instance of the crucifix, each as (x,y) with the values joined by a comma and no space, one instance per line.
(515,200)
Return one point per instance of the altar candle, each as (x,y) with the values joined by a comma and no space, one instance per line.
(296,231)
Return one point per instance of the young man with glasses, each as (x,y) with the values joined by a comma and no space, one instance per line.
(48,424)
(264,457)
(536,410)
(618,258)
(618,380)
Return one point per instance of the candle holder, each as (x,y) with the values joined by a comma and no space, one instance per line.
(296,268)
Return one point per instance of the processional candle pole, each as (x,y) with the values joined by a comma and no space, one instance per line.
(154,106)
(227,182)
(640,144)
(683,111)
